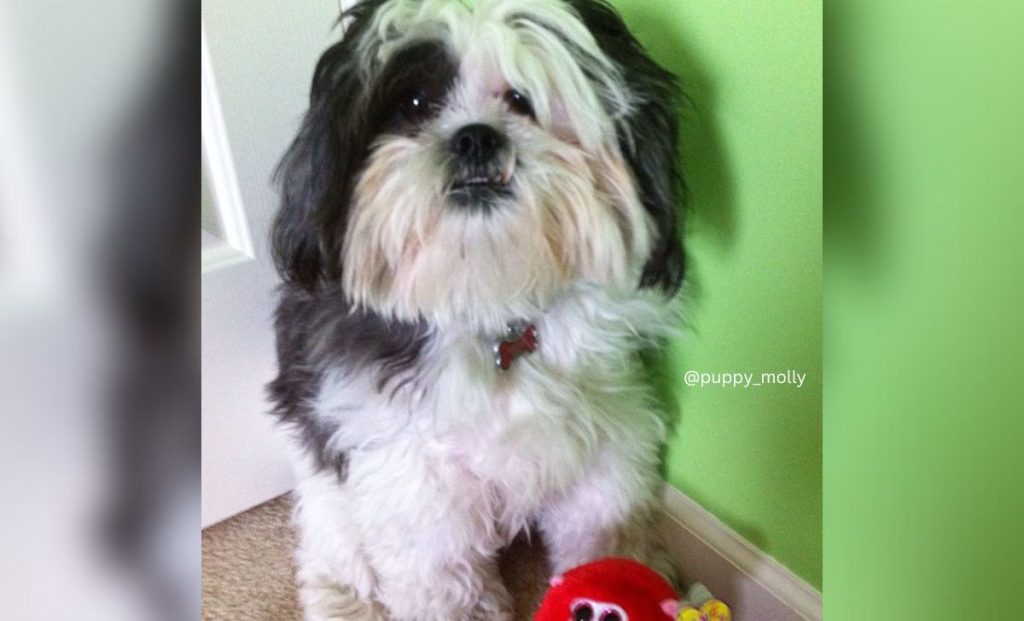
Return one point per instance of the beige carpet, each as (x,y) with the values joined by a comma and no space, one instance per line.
(248,573)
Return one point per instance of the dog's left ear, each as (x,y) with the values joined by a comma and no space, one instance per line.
(648,138)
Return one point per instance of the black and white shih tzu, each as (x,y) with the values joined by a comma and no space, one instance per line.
(479,233)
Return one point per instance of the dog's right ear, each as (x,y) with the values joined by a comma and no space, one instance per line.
(294,238)
(316,175)
(308,179)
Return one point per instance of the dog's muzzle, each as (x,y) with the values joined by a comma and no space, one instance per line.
(483,165)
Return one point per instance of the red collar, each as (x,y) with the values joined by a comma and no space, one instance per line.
(522,339)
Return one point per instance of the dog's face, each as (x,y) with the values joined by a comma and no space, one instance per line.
(469,161)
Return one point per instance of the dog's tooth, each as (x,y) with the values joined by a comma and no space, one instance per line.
(508,169)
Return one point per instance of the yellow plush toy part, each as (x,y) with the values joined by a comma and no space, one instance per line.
(689,613)
(716,610)
(700,605)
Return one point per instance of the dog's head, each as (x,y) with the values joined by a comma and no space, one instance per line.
(469,160)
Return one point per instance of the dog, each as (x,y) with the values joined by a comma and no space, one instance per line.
(480,231)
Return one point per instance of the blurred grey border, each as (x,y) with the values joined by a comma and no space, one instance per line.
(99,285)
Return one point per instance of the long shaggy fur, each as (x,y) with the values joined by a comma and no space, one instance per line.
(406,254)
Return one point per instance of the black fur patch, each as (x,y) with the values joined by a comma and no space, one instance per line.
(423,73)
(320,331)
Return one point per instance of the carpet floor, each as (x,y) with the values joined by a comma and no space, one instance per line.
(248,573)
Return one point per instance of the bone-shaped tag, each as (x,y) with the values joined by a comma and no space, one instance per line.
(521,340)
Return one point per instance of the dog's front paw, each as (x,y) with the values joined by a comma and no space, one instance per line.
(329,601)
(493,606)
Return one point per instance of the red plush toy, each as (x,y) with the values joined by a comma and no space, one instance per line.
(612,589)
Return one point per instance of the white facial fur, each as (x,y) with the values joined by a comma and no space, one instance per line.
(574,216)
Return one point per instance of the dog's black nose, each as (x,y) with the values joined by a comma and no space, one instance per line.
(477,142)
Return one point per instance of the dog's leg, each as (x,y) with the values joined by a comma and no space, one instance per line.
(411,587)
(399,540)
(464,592)
(610,511)
(334,576)
(439,568)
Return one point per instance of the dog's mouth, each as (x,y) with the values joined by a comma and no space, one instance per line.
(495,182)
(483,187)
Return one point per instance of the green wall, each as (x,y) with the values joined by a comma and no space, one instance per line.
(752,143)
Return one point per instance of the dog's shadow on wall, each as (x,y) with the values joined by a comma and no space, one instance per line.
(708,196)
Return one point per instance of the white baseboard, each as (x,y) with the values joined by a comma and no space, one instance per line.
(756,586)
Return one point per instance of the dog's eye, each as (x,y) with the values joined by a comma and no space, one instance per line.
(519,103)
(415,105)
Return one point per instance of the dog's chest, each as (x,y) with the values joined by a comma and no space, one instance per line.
(523,432)
(531,427)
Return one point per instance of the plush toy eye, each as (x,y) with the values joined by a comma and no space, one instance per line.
(582,612)
(611,615)
(519,103)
